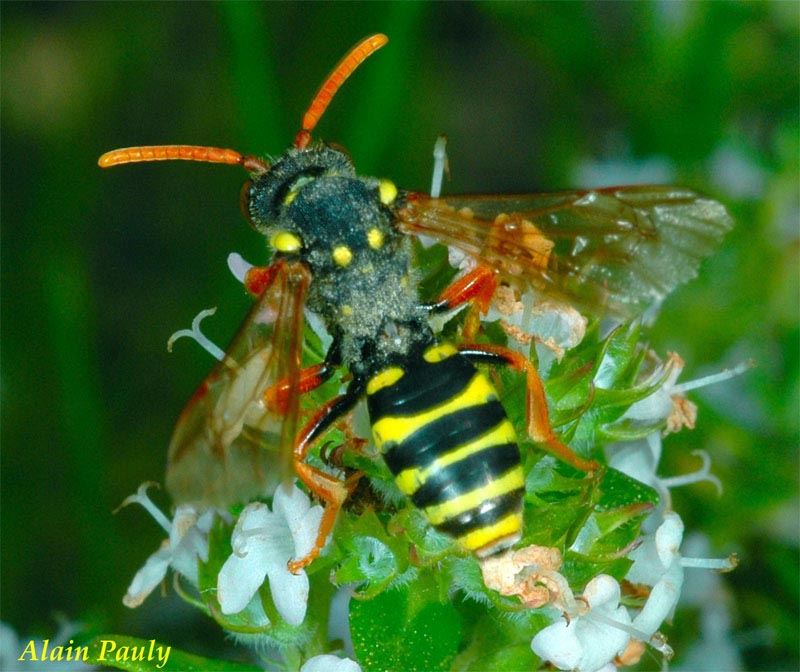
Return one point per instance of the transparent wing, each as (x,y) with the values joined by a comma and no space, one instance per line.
(228,446)
(609,250)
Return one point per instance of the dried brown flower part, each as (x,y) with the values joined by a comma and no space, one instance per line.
(506,300)
(531,573)
(632,654)
(684,414)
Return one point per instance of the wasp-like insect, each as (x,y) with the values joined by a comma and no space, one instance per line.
(342,249)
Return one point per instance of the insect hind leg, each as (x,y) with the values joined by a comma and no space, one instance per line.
(331,490)
(539,427)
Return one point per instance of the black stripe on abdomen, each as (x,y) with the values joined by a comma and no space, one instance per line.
(467,474)
(442,435)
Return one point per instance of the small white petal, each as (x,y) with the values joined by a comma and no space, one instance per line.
(329,663)
(240,578)
(661,602)
(302,518)
(601,591)
(238,266)
(291,503)
(148,577)
(601,642)
(289,593)
(559,644)
(608,667)
(668,538)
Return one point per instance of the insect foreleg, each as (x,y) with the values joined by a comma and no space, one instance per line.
(330,489)
(539,427)
(477,288)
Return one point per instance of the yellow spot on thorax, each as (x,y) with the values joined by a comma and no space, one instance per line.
(342,255)
(387,191)
(375,238)
(284,241)
(385,378)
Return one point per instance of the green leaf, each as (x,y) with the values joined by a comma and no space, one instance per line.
(143,655)
(393,632)
(498,643)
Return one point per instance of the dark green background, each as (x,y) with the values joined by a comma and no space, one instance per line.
(99,268)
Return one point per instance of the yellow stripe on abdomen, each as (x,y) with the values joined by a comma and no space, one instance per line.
(409,480)
(440,513)
(396,429)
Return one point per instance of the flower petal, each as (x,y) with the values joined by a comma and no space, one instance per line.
(148,577)
(661,602)
(559,644)
(289,593)
(241,576)
(329,663)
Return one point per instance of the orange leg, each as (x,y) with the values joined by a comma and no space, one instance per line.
(276,396)
(539,426)
(477,288)
(331,490)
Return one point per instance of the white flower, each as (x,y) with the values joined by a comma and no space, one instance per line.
(329,663)
(188,541)
(668,402)
(593,636)
(657,562)
(263,543)
(639,459)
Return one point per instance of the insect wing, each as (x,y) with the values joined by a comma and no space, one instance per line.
(613,250)
(228,446)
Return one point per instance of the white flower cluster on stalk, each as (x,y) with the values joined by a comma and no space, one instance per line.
(263,542)
(598,631)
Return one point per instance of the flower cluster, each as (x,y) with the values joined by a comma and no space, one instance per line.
(589,591)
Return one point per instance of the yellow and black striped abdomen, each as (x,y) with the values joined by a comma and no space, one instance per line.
(446,438)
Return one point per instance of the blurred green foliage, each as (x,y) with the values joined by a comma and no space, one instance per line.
(99,268)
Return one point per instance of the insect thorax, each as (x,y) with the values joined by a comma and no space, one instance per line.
(343,226)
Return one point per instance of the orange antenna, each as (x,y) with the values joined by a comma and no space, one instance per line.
(355,57)
(117,157)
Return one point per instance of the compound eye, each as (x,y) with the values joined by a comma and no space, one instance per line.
(244,201)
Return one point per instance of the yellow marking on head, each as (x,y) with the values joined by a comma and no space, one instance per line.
(385,378)
(347,310)
(289,198)
(284,241)
(342,255)
(375,238)
(387,191)
(397,429)
(439,513)
(438,353)
(409,480)
(510,526)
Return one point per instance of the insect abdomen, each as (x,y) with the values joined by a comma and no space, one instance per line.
(446,438)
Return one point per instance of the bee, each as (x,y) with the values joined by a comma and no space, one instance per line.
(342,248)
